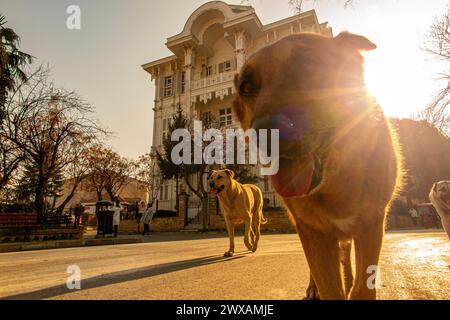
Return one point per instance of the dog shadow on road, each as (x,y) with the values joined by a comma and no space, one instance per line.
(124,276)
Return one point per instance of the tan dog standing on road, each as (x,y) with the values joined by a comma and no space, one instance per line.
(339,162)
(440,198)
(239,203)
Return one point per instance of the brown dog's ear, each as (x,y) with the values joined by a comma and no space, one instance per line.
(209,174)
(230,173)
(354,42)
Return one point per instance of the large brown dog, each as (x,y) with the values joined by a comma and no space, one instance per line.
(239,203)
(339,165)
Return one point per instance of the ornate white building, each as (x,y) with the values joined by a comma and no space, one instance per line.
(214,44)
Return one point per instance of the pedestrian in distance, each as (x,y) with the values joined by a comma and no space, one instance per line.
(116,217)
(146,219)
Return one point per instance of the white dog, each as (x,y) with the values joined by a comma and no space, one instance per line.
(440,198)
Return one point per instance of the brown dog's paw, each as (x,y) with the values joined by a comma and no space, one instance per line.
(228,254)
(312,293)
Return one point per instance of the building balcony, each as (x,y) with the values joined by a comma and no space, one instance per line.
(215,86)
(213,80)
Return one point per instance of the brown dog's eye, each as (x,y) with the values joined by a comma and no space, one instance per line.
(248,86)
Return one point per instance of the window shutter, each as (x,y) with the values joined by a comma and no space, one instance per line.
(233,64)
(174,83)
(221,68)
(161,87)
(179,79)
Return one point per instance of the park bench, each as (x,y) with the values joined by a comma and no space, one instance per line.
(59,220)
(18,224)
(25,226)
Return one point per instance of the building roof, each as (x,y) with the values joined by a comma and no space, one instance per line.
(231,17)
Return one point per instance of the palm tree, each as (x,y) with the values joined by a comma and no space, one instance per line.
(12,61)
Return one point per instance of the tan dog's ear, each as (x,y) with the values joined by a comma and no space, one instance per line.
(435,187)
(230,173)
(354,42)
(210,174)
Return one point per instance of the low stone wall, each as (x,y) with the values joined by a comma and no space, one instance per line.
(277,221)
(171,224)
(167,224)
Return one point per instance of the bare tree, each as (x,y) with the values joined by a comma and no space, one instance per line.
(108,171)
(76,170)
(437,112)
(47,125)
(144,171)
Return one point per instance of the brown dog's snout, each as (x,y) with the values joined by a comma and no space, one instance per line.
(262,122)
(291,121)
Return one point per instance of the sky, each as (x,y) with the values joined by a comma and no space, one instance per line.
(102,60)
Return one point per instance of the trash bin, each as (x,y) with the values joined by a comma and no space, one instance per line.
(104,213)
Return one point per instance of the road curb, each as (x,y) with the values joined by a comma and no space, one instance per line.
(59,244)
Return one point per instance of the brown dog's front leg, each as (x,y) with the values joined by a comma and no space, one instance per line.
(322,252)
(230,229)
(367,253)
(312,293)
(346,261)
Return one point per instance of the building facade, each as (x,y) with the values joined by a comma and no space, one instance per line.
(213,46)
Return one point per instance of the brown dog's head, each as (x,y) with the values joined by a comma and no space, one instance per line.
(305,85)
(219,180)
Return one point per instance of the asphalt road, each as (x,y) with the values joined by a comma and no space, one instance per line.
(414,265)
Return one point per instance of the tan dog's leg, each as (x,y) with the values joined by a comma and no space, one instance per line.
(252,236)
(323,253)
(230,229)
(257,226)
(346,261)
(367,252)
(248,231)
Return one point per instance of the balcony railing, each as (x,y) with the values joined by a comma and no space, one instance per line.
(213,80)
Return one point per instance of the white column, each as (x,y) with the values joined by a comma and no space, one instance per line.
(189,60)
(240,48)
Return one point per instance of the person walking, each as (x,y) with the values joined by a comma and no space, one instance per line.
(147,218)
(139,214)
(116,217)
(414,215)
